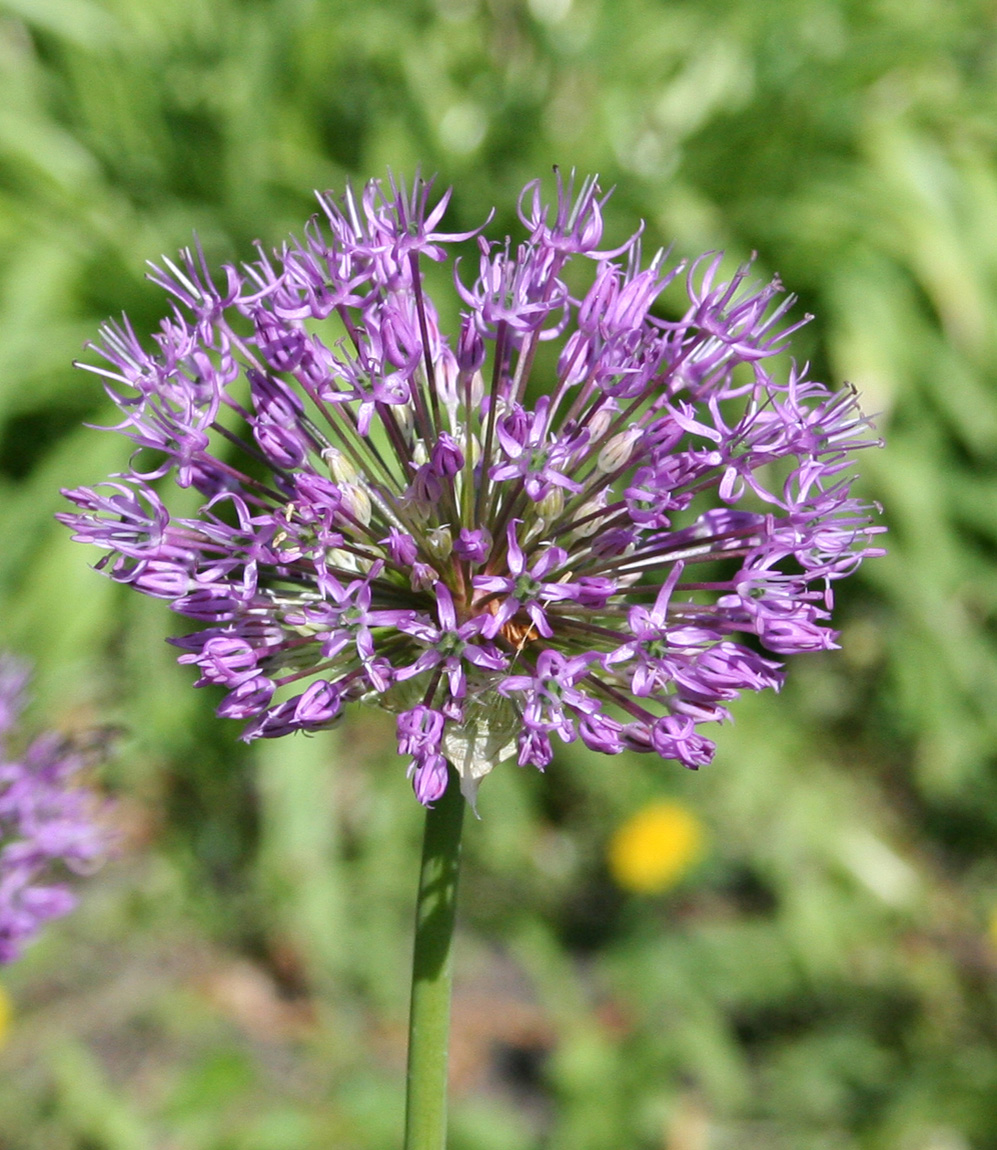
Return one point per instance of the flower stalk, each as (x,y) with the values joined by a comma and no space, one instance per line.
(432,973)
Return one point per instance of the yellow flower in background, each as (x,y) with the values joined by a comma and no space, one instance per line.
(655,847)
(5,1013)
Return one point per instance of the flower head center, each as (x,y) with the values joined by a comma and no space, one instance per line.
(526,587)
(450,643)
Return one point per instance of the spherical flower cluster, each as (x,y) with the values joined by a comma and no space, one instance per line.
(583,517)
(49,824)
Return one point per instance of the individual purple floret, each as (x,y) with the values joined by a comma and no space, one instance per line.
(49,824)
(498,541)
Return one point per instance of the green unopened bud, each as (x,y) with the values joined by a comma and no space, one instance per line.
(439,542)
(404,416)
(548,510)
(477,391)
(416,509)
(344,560)
(550,507)
(340,466)
(618,449)
(357,502)
(599,423)
(445,372)
(589,526)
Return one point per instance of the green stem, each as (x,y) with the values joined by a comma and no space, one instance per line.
(429,1017)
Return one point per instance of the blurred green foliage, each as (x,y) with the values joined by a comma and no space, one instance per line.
(826,979)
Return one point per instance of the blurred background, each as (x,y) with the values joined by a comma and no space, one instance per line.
(794,949)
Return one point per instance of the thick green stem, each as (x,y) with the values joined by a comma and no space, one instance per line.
(429,1018)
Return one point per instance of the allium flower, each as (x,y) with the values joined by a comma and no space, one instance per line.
(499,542)
(49,824)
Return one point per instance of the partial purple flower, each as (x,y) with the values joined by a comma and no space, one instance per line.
(50,824)
(609,548)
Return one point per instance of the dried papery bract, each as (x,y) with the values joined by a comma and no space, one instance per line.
(609,549)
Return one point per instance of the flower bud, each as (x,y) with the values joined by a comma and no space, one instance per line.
(618,450)
(357,502)
(600,421)
(340,466)
(439,542)
(470,347)
(550,507)
(473,546)
(447,458)
(585,525)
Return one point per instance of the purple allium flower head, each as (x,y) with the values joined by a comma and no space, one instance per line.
(49,824)
(498,544)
